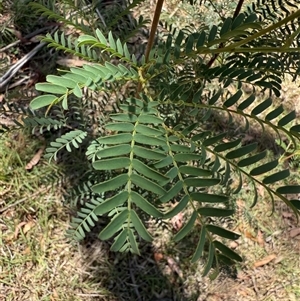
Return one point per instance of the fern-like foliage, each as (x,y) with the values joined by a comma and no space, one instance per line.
(155,155)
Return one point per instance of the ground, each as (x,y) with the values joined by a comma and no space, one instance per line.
(38,262)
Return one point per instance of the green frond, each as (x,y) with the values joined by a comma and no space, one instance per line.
(69,45)
(70,20)
(71,139)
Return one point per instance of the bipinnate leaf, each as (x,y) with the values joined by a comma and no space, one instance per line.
(115,225)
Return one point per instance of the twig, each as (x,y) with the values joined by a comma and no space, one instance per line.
(16,67)
(23,199)
(134,284)
(27,37)
(236,12)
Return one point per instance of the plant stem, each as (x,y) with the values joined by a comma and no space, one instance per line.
(236,12)
(154,25)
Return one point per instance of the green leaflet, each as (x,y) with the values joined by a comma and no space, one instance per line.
(133,243)
(61,81)
(114,151)
(226,146)
(51,88)
(42,101)
(172,192)
(120,126)
(144,205)
(264,168)
(148,131)
(147,184)
(210,260)
(110,164)
(115,225)
(201,182)
(233,99)
(185,157)
(242,151)
(227,252)
(213,140)
(111,184)
(194,171)
(124,117)
(139,226)
(289,189)
(200,246)
(115,139)
(150,119)
(211,211)
(149,140)
(178,208)
(148,153)
(187,227)
(119,241)
(145,170)
(208,198)
(252,159)
(275,113)
(109,204)
(287,118)
(222,232)
(261,107)
(247,102)
(278,176)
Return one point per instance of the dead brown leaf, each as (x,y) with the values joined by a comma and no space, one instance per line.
(264,261)
(28,226)
(294,232)
(18,228)
(35,160)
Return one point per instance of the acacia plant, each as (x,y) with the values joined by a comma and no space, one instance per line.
(154,156)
